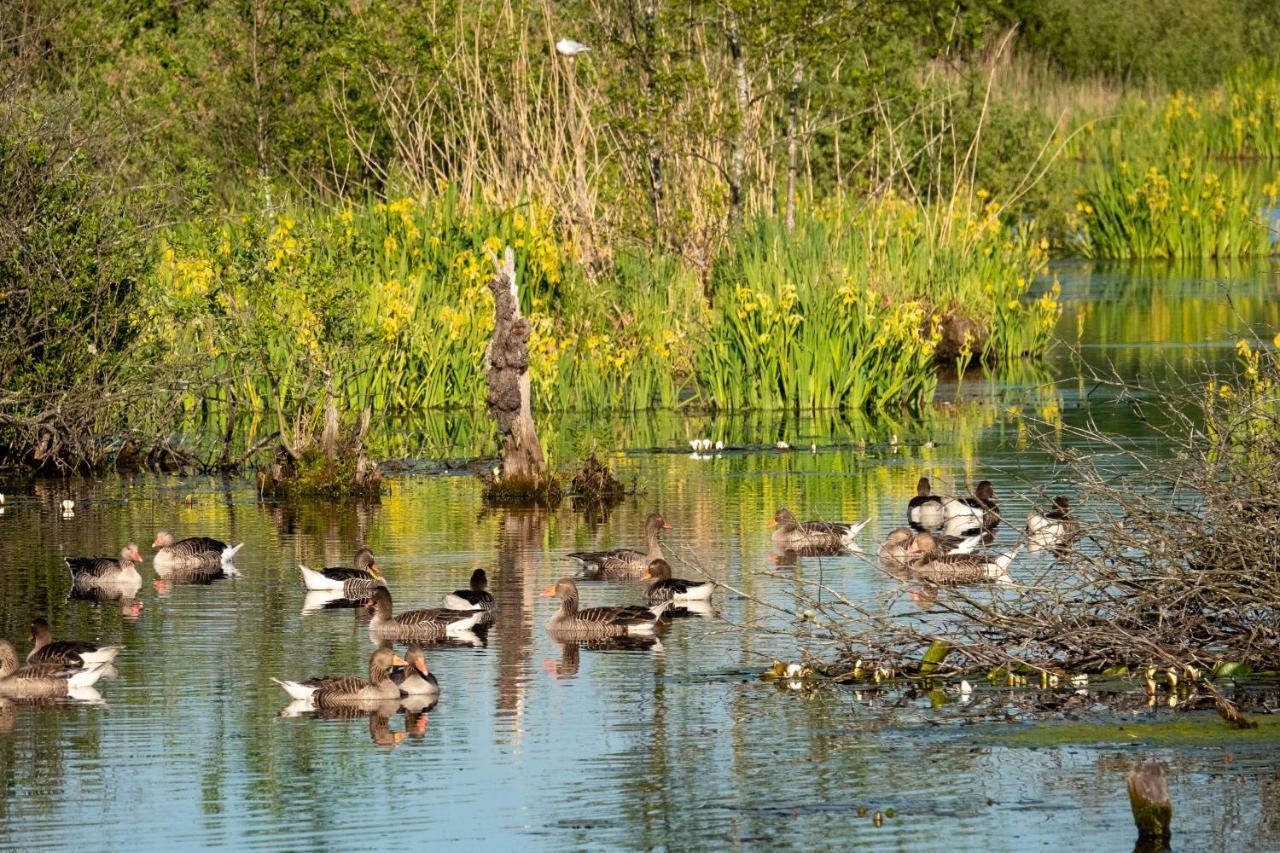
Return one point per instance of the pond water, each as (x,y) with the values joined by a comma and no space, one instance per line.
(539,745)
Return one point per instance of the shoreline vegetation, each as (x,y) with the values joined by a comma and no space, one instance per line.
(236,231)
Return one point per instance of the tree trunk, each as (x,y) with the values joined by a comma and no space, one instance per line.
(738,156)
(793,143)
(507,374)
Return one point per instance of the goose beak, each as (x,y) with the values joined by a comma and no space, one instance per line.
(549,591)
(420,666)
(373,570)
(666,525)
(396,660)
(646,576)
(156,543)
(773,522)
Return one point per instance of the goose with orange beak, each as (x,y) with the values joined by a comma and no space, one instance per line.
(346,690)
(597,622)
(664,588)
(415,679)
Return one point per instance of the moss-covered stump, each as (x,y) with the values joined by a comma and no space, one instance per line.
(516,492)
(315,474)
(594,488)
(1152,810)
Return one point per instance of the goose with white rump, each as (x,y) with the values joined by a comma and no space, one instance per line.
(87,572)
(348,690)
(1053,530)
(664,588)
(355,581)
(790,534)
(41,680)
(192,552)
(925,511)
(44,649)
(477,597)
(945,569)
(597,622)
(976,514)
(425,624)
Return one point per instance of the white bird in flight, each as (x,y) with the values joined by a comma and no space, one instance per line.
(569,47)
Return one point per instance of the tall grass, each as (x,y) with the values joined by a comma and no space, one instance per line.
(1183,209)
(384,305)
(849,309)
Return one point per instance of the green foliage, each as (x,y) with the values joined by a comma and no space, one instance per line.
(1185,209)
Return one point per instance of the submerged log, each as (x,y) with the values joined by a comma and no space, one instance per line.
(1152,810)
(524,468)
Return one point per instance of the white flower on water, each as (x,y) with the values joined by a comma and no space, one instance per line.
(569,47)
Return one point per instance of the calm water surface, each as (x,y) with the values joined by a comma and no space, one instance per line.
(539,745)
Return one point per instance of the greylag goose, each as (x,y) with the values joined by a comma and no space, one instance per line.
(95,571)
(666,588)
(422,624)
(350,689)
(1055,529)
(195,550)
(925,510)
(597,622)
(67,652)
(415,679)
(41,679)
(790,534)
(623,563)
(477,597)
(940,568)
(967,516)
(354,582)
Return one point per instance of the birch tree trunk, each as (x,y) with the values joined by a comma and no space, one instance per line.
(793,143)
(742,95)
(507,374)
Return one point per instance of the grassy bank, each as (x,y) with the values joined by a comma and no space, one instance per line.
(385,305)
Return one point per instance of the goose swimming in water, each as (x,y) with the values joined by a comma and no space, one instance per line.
(925,511)
(967,516)
(625,563)
(792,534)
(350,689)
(665,588)
(597,622)
(67,652)
(953,569)
(193,551)
(1053,530)
(96,571)
(424,624)
(39,680)
(477,597)
(353,582)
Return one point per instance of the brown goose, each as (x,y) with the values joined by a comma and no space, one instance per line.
(415,679)
(899,547)
(597,621)
(665,588)
(66,652)
(354,582)
(477,597)
(195,550)
(95,571)
(792,534)
(41,679)
(938,567)
(350,689)
(422,624)
(625,563)
(925,510)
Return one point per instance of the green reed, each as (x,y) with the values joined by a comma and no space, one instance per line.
(1186,208)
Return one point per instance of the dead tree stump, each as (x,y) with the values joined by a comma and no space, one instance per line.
(524,468)
(1152,810)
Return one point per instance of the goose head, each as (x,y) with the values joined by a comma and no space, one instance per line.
(924,488)
(364,560)
(658,570)
(479,581)
(130,553)
(784,519)
(163,540)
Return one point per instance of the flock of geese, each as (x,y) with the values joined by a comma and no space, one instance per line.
(942,543)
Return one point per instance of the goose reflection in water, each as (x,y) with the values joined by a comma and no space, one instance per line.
(123,595)
(198,575)
(378,713)
(570,659)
